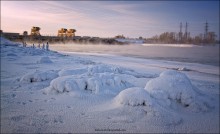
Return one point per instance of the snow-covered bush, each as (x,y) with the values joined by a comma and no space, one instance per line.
(44,60)
(38,76)
(173,86)
(66,72)
(107,83)
(134,96)
(103,68)
(117,70)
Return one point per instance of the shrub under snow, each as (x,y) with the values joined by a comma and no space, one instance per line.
(134,96)
(97,83)
(103,68)
(173,86)
(66,72)
(38,76)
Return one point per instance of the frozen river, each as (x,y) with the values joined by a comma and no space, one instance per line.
(184,53)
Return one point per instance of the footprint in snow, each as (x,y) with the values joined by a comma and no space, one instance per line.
(58,120)
(68,106)
(109,118)
(18,118)
(41,110)
(13,95)
(49,100)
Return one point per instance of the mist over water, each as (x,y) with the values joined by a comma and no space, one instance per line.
(193,54)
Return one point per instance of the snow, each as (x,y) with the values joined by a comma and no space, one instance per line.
(8,42)
(134,96)
(172,86)
(45,60)
(69,92)
(65,72)
(97,79)
(38,76)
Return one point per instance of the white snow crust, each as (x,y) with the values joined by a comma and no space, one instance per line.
(134,96)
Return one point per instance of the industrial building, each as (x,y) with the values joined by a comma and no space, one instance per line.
(63,35)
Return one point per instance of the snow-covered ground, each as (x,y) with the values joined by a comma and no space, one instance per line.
(67,92)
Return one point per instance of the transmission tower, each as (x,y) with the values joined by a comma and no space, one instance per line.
(180,33)
(186,30)
(206,30)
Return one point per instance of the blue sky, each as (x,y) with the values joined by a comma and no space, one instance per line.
(110,18)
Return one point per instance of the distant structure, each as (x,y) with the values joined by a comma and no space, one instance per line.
(70,33)
(62,36)
(35,31)
(63,32)
(186,32)
(180,33)
(206,30)
(25,33)
(120,37)
(10,36)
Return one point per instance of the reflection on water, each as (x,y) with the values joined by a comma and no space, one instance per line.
(194,54)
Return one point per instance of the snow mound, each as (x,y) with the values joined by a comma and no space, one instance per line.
(184,69)
(172,86)
(44,60)
(134,96)
(97,79)
(34,52)
(117,70)
(39,76)
(91,70)
(7,42)
(103,68)
(100,83)
(66,72)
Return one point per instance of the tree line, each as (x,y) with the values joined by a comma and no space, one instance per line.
(179,38)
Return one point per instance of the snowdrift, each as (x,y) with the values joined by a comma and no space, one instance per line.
(39,76)
(107,83)
(173,87)
(66,72)
(134,96)
(44,60)
(7,42)
(98,79)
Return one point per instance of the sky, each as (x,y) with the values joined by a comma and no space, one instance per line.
(110,18)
